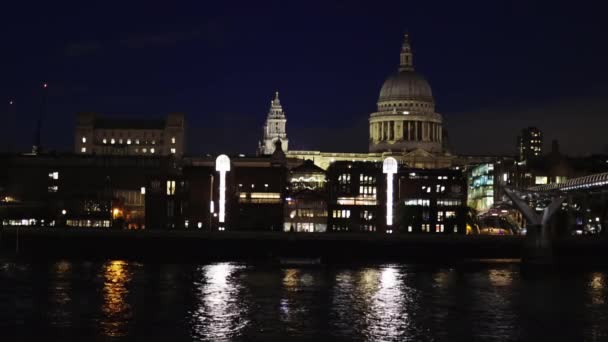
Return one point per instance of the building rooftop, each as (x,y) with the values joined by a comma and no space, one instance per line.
(105,123)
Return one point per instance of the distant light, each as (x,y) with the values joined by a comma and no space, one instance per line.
(63,212)
(11,102)
(405,112)
(45,85)
(199,225)
(143,190)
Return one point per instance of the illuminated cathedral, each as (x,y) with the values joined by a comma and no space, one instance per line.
(404,126)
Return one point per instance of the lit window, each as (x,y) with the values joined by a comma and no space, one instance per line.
(83,150)
(173,140)
(128,141)
(173,150)
(120,141)
(54,175)
(170,187)
(84,140)
(112,141)
(143,190)
(144,150)
(153,142)
(137,141)
(105,141)
(152,150)
(53,188)
(200,225)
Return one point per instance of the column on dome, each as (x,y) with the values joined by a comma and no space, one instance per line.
(425,131)
(374,132)
(436,132)
(399,130)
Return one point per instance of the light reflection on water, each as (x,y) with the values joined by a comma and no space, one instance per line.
(230,301)
(60,298)
(220,314)
(116,309)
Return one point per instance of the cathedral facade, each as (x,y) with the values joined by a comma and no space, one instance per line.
(405,125)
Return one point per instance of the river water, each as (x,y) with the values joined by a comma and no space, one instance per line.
(223,301)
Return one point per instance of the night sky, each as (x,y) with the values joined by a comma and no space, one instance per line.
(494,67)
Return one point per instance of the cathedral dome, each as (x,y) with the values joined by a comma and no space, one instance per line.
(406,85)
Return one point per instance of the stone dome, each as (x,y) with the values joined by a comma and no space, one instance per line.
(406,85)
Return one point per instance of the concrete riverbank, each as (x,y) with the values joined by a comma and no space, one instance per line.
(197,245)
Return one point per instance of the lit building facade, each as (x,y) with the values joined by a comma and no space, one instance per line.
(105,136)
(306,201)
(355,197)
(431,201)
(78,191)
(416,201)
(530,143)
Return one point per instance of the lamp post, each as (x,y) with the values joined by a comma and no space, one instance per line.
(389,166)
(222,165)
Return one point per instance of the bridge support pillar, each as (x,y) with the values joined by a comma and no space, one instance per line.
(538,247)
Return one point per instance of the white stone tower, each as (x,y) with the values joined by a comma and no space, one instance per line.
(274,128)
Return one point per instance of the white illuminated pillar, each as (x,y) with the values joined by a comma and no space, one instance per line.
(222,165)
(389,166)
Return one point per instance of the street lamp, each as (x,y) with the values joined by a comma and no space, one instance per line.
(222,165)
(389,166)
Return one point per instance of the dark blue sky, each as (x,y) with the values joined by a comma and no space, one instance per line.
(494,66)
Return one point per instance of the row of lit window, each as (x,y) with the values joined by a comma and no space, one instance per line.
(447,215)
(438,188)
(253,185)
(367,190)
(417,201)
(341,213)
(143,150)
(344,178)
(364,179)
(128,141)
(411,104)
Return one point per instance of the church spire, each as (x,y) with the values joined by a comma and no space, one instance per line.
(276,110)
(407,57)
(274,128)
